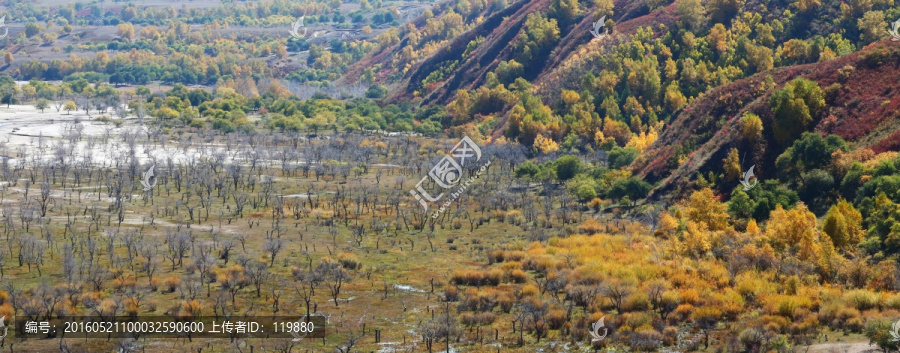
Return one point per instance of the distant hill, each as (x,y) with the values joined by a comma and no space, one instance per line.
(687,70)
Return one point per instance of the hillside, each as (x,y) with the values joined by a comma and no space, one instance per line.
(672,80)
(862,108)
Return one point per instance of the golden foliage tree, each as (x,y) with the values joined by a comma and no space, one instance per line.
(125,30)
(617,130)
(668,225)
(732,165)
(697,238)
(545,144)
(704,206)
(794,232)
(751,127)
(718,38)
(753,228)
(643,140)
(843,224)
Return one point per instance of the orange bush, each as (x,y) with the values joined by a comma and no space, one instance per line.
(689,296)
(556,319)
(172,283)
(514,255)
(591,226)
(495,256)
(518,276)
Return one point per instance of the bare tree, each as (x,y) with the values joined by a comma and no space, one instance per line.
(272,246)
(305,285)
(334,277)
(352,334)
(258,272)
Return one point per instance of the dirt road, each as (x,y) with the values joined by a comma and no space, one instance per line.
(851,347)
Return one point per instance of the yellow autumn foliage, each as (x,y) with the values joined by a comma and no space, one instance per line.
(643,140)
(545,145)
(794,231)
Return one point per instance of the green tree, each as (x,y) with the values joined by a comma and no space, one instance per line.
(770,194)
(620,157)
(583,187)
(795,106)
(808,153)
(376,91)
(691,13)
(8,96)
(69,107)
(508,71)
(42,104)
(878,331)
(538,37)
(721,11)
(872,26)
(567,166)
(32,29)
(142,91)
(527,170)
(740,206)
(565,11)
(632,188)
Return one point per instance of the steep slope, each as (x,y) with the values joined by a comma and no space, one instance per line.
(497,26)
(499,31)
(669,85)
(863,111)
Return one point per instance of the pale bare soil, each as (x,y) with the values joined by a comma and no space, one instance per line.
(851,347)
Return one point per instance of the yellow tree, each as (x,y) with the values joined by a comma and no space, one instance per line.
(843,224)
(697,238)
(617,130)
(459,108)
(718,38)
(604,7)
(706,318)
(126,30)
(753,229)
(751,127)
(674,98)
(69,107)
(545,145)
(569,97)
(668,225)
(794,232)
(732,165)
(704,206)
(829,260)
